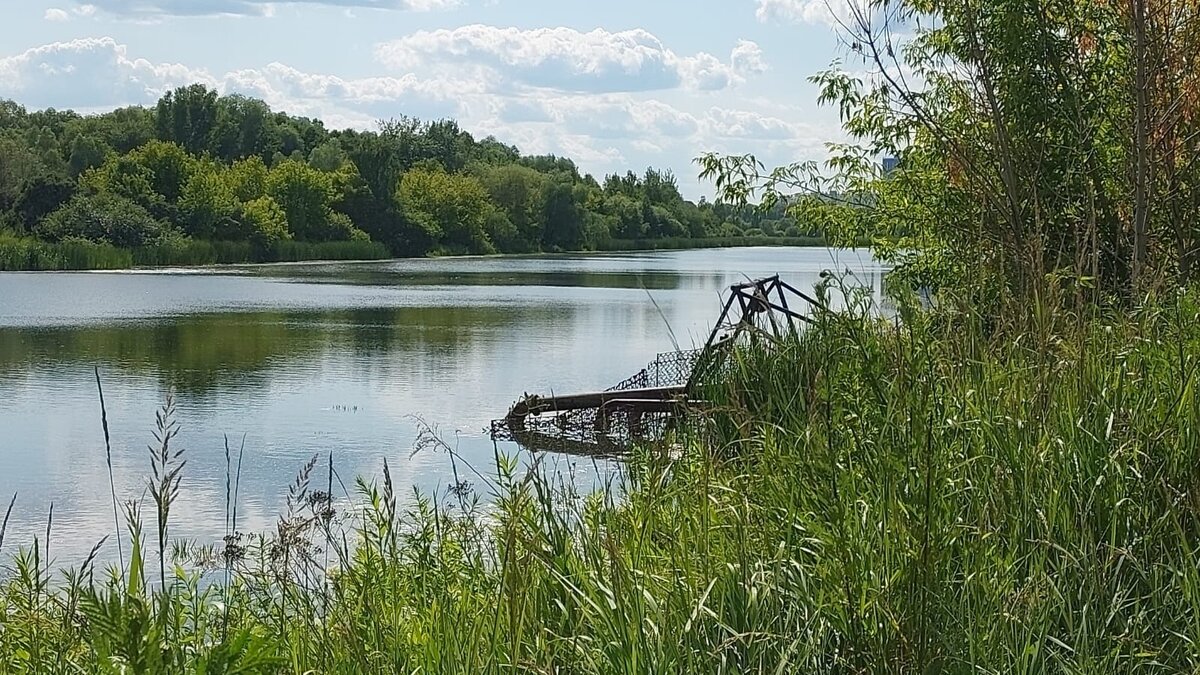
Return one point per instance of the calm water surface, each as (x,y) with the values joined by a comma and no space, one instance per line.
(306,359)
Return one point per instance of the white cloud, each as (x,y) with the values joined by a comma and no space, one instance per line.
(360,100)
(159,8)
(85,10)
(747,57)
(569,60)
(628,116)
(99,73)
(88,73)
(55,14)
(618,117)
(830,12)
(725,123)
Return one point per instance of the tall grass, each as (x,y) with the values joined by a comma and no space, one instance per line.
(683,243)
(198,252)
(935,494)
(26,254)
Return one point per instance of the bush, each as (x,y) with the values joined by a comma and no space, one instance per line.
(103,219)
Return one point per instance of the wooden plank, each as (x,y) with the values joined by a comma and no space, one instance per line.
(535,405)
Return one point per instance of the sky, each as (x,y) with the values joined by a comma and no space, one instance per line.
(615,85)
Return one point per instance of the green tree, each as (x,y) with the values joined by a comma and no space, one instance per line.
(197,160)
(264,221)
(563,215)
(626,215)
(86,152)
(492,152)
(563,167)
(209,206)
(187,116)
(452,208)
(18,164)
(379,162)
(121,130)
(447,144)
(170,167)
(248,178)
(125,177)
(41,196)
(517,190)
(244,127)
(505,236)
(12,114)
(305,195)
(328,156)
(1037,144)
(127,128)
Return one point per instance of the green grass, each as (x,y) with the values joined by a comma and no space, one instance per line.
(295,251)
(936,495)
(25,254)
(28,254)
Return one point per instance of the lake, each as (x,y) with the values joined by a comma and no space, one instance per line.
(312,358)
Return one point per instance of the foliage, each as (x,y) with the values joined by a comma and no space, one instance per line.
(208,205)
(1076,171)
(103,219)
(305,195)
(41,196)
(203,163)
(453,208)
(168,165)
(683,243)
(265,221)
(328,156)
(248,179)
(187,116)
(517,191)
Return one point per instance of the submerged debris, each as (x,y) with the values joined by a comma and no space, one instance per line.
(644,406)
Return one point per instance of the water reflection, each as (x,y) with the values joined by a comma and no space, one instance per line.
(306,359)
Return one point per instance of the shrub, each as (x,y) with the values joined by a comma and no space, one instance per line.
(265,221)
(103,218)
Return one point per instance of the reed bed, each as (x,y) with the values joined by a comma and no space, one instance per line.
(927,494)
(684,243)
(19,254)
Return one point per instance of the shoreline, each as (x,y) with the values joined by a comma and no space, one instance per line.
(621,246)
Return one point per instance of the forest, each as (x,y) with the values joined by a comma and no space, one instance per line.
(202,178)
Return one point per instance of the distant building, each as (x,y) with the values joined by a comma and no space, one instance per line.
(890,164)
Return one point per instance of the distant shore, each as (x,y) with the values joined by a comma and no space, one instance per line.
(31,255)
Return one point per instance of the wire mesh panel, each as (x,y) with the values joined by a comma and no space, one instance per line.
(609,427)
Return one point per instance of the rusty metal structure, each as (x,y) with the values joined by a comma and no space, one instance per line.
(644,406)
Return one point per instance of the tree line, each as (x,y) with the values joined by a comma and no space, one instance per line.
(199,166)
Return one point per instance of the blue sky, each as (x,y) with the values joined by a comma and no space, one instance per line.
(616,85)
